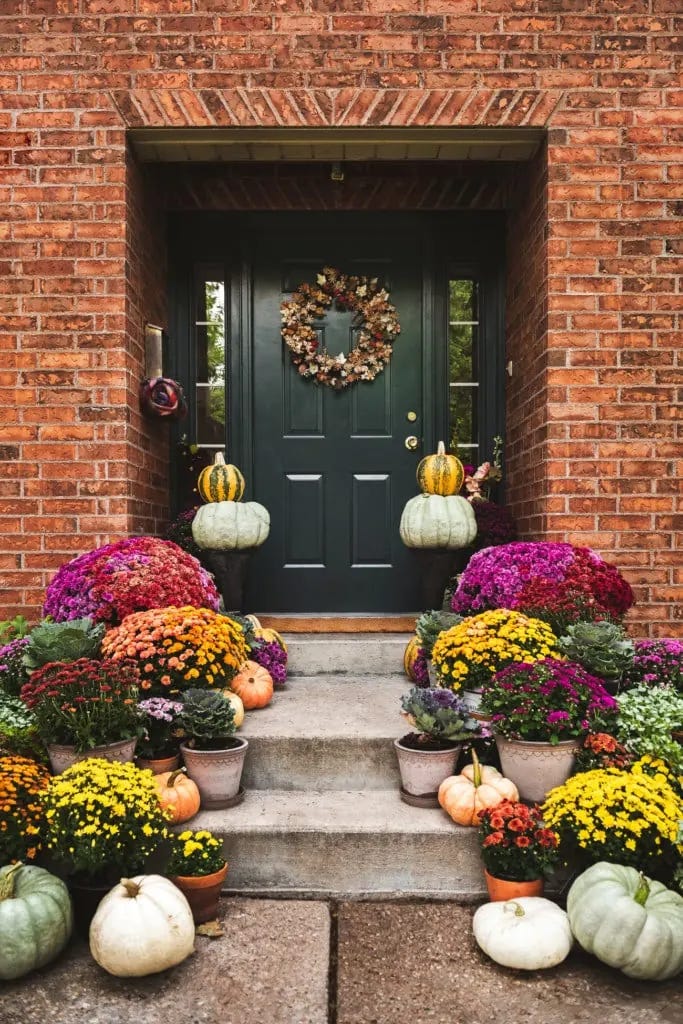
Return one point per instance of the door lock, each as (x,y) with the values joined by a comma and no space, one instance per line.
(411,443)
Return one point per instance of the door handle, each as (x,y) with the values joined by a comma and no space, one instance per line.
(411,443)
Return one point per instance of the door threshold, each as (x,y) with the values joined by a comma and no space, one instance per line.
(347,622)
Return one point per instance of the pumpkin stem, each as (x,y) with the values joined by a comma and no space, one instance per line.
(518,908)
(170,781)
(132,888)
(219,460)
(476,777)
(643,891)
(7,882)
(441,448)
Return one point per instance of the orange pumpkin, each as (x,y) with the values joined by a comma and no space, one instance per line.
(270,636)
(477,787)
(178,795)
(254,684)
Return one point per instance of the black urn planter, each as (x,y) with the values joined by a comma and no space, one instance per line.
(436,567)
(230,572)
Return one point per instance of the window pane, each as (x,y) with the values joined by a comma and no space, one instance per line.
(463,421)
(210,359)
(463,327)
(211,415)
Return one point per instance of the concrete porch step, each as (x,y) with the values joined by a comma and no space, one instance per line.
(326,732)
(352,654)
(344,843)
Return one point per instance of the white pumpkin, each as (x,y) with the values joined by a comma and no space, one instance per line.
(231,525)
(628,921)
(143,926)
(529,933)
(237,706)
(435,521)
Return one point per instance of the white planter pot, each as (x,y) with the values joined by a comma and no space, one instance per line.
(217,773)
(423,771)
(536,768)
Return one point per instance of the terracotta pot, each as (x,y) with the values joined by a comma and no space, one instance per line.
(536,768)
(423,771)
(216,772)
(501,889)
(202,892)
(62,757)
(158,765)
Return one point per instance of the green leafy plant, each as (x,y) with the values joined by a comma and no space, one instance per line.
(603,648)
(18,729)
(207,719)
(62,641)
(430,624)
(13,629)
(647,717)
(437,713)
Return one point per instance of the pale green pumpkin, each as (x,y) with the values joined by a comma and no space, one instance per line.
(436,521)
(35,919)
(230,526)
(628,921)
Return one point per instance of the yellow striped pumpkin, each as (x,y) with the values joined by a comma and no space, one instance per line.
(220,482)
(441,473)
(411,652)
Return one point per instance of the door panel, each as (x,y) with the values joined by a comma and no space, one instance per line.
(332,467)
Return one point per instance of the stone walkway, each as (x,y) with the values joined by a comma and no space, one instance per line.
(295,962)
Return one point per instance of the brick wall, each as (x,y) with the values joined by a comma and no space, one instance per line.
(601,76)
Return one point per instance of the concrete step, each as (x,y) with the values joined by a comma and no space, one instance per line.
(344,844)
(346,654)
(326,733)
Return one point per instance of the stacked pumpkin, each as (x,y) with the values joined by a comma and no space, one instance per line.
(224,523)
(438,517)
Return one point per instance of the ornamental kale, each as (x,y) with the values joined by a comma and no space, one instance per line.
(62,641)
(656,662)
(437,713)
(603,648)
(430,624)
(546,701)
(207,719)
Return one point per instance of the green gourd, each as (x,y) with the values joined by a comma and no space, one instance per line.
(230,526)
(35,919)
(628,921)
(435,521)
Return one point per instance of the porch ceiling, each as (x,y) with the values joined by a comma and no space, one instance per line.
(218,145)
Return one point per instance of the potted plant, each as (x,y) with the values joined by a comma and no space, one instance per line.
(23,784)
(85,708)
(539,713)
(159,746)
(649,720)
(213,755)
(198,867)
(603,648)
(517,851)
(103,820)
(427,756)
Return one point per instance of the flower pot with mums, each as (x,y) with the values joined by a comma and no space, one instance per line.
(539,713)
(178,648)
(132,575)
(427,756)
(159,747)
(625,816)
(197,866)
(213,755)
(85,708)
(517,851)
(23,785)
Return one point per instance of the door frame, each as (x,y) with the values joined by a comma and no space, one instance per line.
(452,244)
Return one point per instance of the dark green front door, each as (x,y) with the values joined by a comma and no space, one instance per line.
(332,466)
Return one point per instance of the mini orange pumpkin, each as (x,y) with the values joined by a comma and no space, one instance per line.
(477,787)
(254,684)
(178,795)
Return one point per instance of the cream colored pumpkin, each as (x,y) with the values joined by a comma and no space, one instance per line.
(143,926)
(528,934)
(230,525)
(237,706)
(465,796)
(435,521)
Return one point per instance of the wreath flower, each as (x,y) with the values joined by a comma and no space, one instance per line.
(373,314)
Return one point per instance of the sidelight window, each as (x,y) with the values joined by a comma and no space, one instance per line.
(210,359)
(463,363)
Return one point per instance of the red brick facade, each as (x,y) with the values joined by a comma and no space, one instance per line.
(594,290)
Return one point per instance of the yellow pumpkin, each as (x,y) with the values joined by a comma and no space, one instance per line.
(441,473)
(254,621)
(237,706)
(220,482)
(270,636)
(410,654)
(178,795)
(254,685)
(477,787)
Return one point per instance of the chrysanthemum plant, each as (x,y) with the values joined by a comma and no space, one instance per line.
(515,845)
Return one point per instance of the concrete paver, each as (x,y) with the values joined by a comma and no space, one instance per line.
(419,964)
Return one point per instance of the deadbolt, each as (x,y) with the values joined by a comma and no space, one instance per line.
(411,443)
